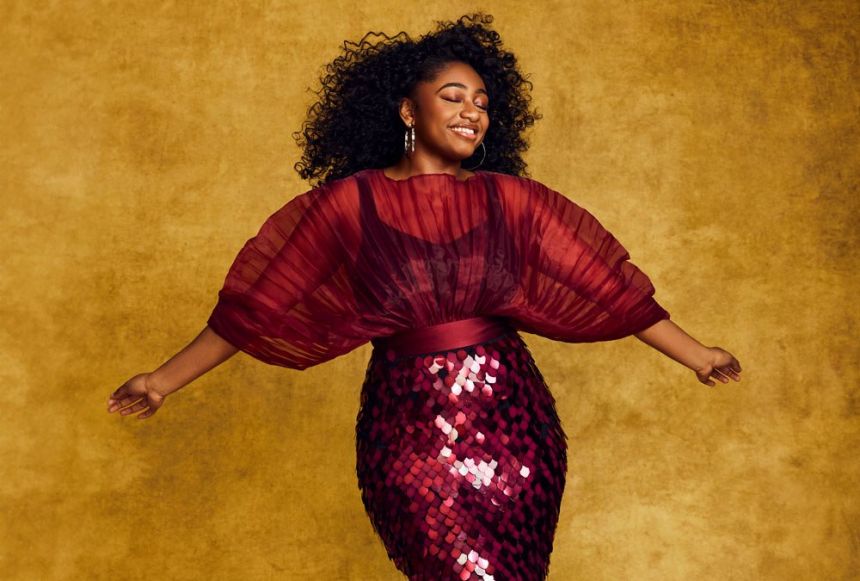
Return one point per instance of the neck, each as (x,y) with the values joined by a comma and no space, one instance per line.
(407,167)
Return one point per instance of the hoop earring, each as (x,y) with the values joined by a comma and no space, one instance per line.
(482,159)
(409,141)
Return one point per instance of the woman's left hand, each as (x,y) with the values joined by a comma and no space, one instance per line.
(719,364)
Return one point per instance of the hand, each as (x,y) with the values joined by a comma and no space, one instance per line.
(138,390)
(720,364)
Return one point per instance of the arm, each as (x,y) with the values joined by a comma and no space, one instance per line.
(286,288)
(578,284)
(672,341)
(146,391)
(205,352)
(582,287)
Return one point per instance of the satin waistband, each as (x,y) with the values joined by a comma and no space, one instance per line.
(444,336)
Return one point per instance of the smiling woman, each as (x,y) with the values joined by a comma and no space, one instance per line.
(461,457)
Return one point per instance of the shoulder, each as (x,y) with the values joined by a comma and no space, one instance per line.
(337,193)
(333,187)
(334,201)
(508,183)
(534,201)
(523,194)
(327,202)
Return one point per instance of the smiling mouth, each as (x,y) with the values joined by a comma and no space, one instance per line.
(465,133)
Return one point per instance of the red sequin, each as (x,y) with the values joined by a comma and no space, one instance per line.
(467,487)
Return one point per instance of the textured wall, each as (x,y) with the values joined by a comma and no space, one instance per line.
(142,143)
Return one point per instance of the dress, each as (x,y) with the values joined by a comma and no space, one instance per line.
(460,455)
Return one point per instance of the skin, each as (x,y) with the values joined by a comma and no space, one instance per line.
(433,107)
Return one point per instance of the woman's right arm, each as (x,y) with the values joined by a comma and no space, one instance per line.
(148,390)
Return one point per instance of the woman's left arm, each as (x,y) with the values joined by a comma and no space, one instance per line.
(707,362)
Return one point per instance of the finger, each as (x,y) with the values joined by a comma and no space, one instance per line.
(731,371)
(736,365)
(147,413)
(124,402)
(136,407)
(718,374)
(703,377)
(118,394)
(115,406)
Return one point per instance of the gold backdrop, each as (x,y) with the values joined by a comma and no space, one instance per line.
(144,142)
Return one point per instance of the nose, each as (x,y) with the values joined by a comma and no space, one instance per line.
(470,110)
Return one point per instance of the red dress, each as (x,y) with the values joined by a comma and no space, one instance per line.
(461,457)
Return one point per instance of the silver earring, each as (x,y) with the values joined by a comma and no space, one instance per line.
(409,140)
(482,159)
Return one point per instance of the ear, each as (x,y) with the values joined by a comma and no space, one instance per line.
(407,111)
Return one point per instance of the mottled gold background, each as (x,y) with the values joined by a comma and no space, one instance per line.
(144,142)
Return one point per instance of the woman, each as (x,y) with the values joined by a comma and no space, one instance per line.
(461,458)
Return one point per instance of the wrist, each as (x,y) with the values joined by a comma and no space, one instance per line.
(701,358)
(155,382)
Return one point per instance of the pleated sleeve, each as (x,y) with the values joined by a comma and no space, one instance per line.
(577,282)
(286,299)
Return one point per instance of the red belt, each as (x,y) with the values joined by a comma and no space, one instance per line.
(444,336)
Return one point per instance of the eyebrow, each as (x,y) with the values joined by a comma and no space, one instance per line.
(462,86)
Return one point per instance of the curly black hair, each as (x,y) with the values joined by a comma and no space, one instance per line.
(356,123)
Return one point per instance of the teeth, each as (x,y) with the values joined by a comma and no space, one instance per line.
(465,130)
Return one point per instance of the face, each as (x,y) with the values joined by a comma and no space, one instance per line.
(456,97)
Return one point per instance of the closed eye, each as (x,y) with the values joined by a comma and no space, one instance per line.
(458,100)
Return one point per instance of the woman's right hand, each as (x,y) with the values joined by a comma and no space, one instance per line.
(138,393)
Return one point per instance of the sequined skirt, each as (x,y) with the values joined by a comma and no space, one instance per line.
(461,457)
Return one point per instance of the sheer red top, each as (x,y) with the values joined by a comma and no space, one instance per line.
(369,256)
